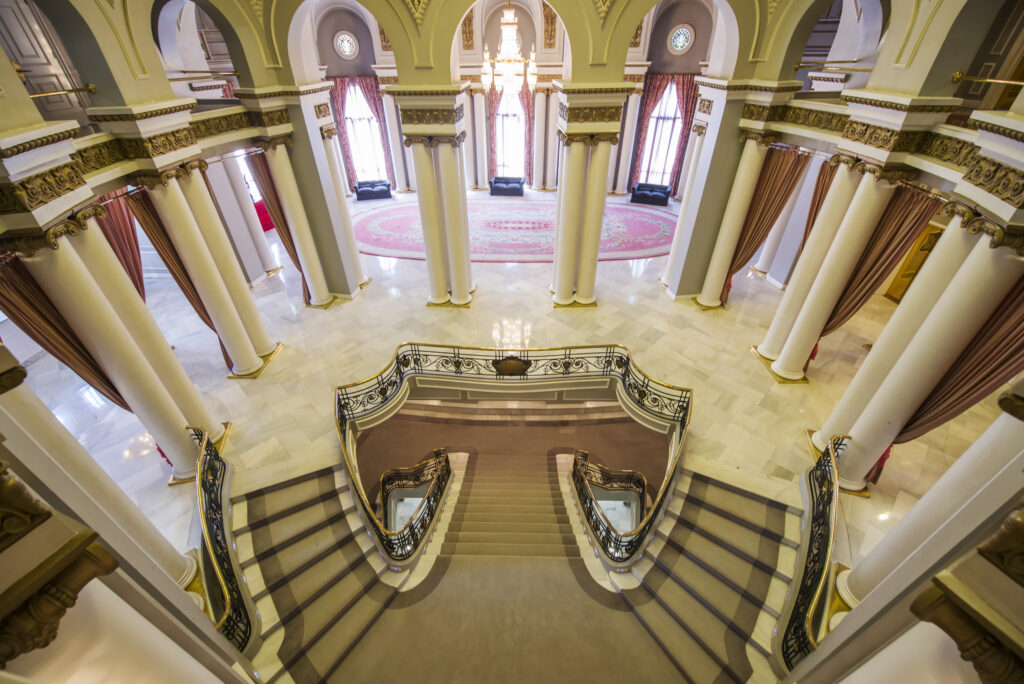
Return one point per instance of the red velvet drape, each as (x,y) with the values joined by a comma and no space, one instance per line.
(119,228)
(493,100)
(654,88)
(686,95)
(526,100)
(371,91)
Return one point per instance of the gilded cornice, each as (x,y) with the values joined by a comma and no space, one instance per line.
(827,78)
(890,175)
(882,138)
(322,110)
(387,80)
(957,208)
(283,93)
(267,118)
(154,180)
(611,114)
(207,128)
(997,129)
(997,179)
(897,106)
(27,245)
(947,149)
(411,117)
(159,144)
(199,88)
(840,158)
(328,132)
(1001,237)
(699,129)
(139,116)
(35,191)
(704,105)
(751,88)
(755,112)
(98,156)
(634,78)
(272,143)
(548,78)
(9,152)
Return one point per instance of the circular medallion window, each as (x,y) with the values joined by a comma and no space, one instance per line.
(346,45)
(680,39)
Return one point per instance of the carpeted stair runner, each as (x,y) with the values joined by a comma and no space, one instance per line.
(313,573)
(510,505)
(714,580)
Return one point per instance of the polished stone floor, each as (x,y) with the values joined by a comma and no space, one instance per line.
(283,421)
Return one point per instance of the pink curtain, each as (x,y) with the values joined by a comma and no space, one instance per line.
(371,91)
(265,182)
(906,215)
(825,175)
(119,229)
(31,310)
(686,95)
(228,91)
(654,88)
(526,100)
(338,94)
(493,100)
(780,174)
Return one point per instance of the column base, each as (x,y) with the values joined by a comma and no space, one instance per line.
(451,304)
(758,272)
(274,271)
(843,589)
(366,282)
(222,441)
(812,447)
(574,304)
(855,488)
(545,189)
(267,358)
(564,302)
(325,305)
(766,354)
(767,363)
(586,301)
(819,441)
(785,374)
(707,307)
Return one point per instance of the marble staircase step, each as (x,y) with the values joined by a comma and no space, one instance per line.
(493,548)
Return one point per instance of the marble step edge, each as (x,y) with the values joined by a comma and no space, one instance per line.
(285,484)
(773,488)
(290,511)
(791,534)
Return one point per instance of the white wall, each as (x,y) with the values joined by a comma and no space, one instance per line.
(924,654)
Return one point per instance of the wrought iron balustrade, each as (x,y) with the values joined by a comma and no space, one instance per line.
(234,622)
(800,636)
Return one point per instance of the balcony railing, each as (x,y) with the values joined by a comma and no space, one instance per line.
(232,611)
(374,395)
(808,612)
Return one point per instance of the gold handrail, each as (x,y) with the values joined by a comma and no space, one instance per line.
(611,471)
(822,583)
(959,76)
(87,88)
(206,534)
(401,469)
(213,75)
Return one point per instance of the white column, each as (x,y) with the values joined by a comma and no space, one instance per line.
(252,220)
(334,162)
(771,243)
(455,224)
(427,197)
(859,222)
(540,116)
(295,215)
(480,127)
(40,431)
(99,259)
(461,157)
(613,169)
(732,221)
(984,460)
(593,215)
(823,231)
(215,236)
(67,283)
(567,246)
(678,249)
(976,291)
(181,226)
(559,201)
(944,261)
(552,149)
(467,151)
(394,142)
(628,140)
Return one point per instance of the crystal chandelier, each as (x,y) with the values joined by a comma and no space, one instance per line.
(508,66)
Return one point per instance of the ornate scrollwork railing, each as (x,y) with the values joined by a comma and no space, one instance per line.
(596,475)
(235,622)
(436,470)
(800,636)
(357,400)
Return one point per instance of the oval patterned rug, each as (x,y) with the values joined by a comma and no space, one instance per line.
(502,230)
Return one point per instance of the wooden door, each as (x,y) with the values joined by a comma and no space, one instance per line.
(913,262)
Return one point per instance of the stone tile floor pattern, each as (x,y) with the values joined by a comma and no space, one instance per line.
(283,422)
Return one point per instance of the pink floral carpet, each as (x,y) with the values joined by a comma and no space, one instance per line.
(504,230)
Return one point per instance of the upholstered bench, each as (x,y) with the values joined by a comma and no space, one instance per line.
(377,189)
(649,193)
(506,185)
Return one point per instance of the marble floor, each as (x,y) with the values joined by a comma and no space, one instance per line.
(283,421)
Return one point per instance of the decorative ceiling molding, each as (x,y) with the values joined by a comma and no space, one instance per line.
(35,191)
(13,150)
(418,9)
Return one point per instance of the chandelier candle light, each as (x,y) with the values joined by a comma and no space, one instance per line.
(508,66)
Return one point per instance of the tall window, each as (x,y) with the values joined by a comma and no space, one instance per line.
(662,139)
(363,137)
(510,137)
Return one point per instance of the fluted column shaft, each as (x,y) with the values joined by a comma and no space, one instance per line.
(480,128)
(433,248)
(823,231)
(540,110)
(567,246)
(395,145)
(593,215)
(252,219)
(295,215)
(215,236)
(628,140)
(944,261)
(99,259)
(78,297)
(183,230)
(677,250)
(455,224)
(336,165)
(974,293)
(742,192)
(859,222)
(68,462)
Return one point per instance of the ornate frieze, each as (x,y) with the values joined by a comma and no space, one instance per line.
(467,31)
(747,87)
(8,152)
(997,179)
(947,149)
(897,106)
(1005,549)
(550,26)
(589,114)
(139,116)
(283,93)
(98,156)
(756,112)
(882,138)
(20,510)
(432,116)
(387,80)
(199,88)
(35,191)
(159,144)
(1000,236)
(704,105)
(322,110)
(634,42)
(634,78)
(207,128)
(266,118)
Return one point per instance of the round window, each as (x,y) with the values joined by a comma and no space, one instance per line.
(680,39)
(346,45)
